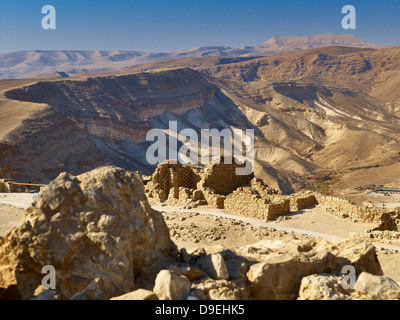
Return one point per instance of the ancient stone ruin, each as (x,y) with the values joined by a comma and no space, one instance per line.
(195,185)
(218,186)
(105,242)
(11,186)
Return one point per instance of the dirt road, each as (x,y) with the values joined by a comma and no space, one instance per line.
(311,221)
(209,227)
(19,200)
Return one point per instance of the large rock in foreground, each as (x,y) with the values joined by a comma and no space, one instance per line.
(95,225)
(377,288)
(281,265)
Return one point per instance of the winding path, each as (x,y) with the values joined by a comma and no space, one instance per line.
(24,200)
(260,223)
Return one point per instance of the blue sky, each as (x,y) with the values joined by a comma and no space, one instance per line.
(161,25)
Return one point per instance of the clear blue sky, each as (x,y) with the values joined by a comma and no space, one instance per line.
(168,25)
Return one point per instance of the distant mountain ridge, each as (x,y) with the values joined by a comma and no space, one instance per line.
(30,64)
(305,130)
(318,40)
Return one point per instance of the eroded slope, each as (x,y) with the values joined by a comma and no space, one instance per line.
(305,129)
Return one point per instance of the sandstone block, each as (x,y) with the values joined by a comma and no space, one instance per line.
(323,287)
(282,266)
(171,286)
(95,225)
(220,290)
(377,287)
(140,294)
(189,272)
(214,265)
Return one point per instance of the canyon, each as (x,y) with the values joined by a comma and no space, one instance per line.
(325,112)
(64,63)
(308,131)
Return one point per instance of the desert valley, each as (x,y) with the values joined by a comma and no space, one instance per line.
(77,191)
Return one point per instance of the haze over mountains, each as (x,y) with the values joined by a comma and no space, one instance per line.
(28,64)
(371,71)
(302,127)
(324,113)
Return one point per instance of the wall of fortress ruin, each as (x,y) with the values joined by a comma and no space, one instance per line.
(218,186)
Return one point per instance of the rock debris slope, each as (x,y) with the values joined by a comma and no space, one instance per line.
(306,130)
(97,225)
(99,232)
(366,70)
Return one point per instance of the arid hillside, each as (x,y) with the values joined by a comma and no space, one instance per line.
(63,63)
(371,71)
(308,131)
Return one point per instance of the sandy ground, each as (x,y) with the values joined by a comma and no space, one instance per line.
(193,229)
(9,218)
(207,227)
(313,222)
(12,210)
(20,200)
(318,220)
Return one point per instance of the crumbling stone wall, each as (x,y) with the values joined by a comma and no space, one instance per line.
(211,184)
(277,209)
(219,186)
(264,190)
(299,202)
(181,196)
(170,176)
(223,179)
(389,237)
(248,202)
(346,209)
(213,199)
(387,220)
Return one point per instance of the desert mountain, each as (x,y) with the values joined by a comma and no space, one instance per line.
(319,40)
(372,71)
(306,129)
(28,64)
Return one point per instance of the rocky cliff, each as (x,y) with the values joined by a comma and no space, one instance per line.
(304,129)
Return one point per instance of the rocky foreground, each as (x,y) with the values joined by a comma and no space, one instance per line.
(105,242)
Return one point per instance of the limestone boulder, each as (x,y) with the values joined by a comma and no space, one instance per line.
(95,225)
(278,267)
(139,294)
(324,287)
(278,277)
(94,291)
(359,253)
(190,272)
(220,290)
(367,287)
(237,266)
(377,287)
(214,265)
(237,269)
(171,286)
